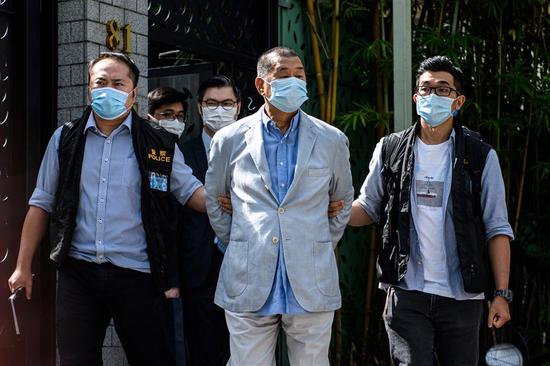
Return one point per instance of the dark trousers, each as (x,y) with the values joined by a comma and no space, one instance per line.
(425,329)
(176,333)
(89,295)
(205,328)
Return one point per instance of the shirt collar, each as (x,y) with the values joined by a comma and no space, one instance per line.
(452,136)
(91,123)
(268,122)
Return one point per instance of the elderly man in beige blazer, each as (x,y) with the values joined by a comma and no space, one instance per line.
(280,166)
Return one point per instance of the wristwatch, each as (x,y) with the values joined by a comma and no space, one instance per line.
(505,293)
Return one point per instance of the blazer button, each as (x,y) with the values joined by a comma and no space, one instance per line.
(281,210)
(275,240)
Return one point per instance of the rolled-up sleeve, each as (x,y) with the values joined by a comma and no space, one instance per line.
(372,190)
(493,199)
(43,195)
(182,181)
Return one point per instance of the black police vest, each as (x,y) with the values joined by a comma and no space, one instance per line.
(154,151)
(397,172)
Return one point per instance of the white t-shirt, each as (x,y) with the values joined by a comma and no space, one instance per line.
(429,199)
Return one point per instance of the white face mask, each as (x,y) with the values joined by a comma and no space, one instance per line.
(173,126)
(170,125)
(216,119)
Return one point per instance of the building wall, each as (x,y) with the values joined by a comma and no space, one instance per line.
(82,33)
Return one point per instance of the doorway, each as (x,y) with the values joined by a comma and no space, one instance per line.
(27,117)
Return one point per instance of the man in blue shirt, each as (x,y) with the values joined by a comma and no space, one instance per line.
(106,181)
(279,167)
(437,191)
(201,253)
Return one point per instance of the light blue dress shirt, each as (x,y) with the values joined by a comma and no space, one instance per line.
(493,205)
(108,222)
(281,153)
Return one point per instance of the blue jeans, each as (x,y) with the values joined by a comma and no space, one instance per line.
(425,329)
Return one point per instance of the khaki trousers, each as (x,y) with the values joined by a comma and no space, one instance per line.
(252,338)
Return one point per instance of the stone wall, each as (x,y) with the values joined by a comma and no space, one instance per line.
(82,32)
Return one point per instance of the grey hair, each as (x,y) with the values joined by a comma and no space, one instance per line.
(266,62)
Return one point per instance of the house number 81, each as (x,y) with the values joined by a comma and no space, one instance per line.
(112,41)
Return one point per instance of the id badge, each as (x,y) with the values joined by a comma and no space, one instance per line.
(158,181)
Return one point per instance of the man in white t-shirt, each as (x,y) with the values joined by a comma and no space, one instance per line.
(436,191)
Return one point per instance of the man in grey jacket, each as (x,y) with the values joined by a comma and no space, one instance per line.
(279,166)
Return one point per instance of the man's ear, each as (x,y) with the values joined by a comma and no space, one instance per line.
(131,97)
(260,86)
(460,102)
(414,97)
(238,109)
(199,109)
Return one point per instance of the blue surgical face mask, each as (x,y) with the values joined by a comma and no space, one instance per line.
(434,109)
(109,103)
(288,94)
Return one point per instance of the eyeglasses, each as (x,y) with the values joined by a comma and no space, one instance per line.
(442,91)
(172,115)
(227,104)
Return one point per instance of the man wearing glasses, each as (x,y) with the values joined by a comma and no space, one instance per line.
(436,190)
(219,104)
(168,108)
(108,182)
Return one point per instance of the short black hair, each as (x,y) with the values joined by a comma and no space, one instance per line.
(166,95)
(266,61)
(218,81)
(442,63)
(120,57)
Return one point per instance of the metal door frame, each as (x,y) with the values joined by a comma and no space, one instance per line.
(33,109)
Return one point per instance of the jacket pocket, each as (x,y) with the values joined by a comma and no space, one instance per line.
(318,172)
(235,268)
(326,270)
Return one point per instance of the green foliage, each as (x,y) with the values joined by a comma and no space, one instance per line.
(364,116)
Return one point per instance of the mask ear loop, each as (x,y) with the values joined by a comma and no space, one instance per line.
(262,89)
(455,112)
(132,105)
(134,91)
